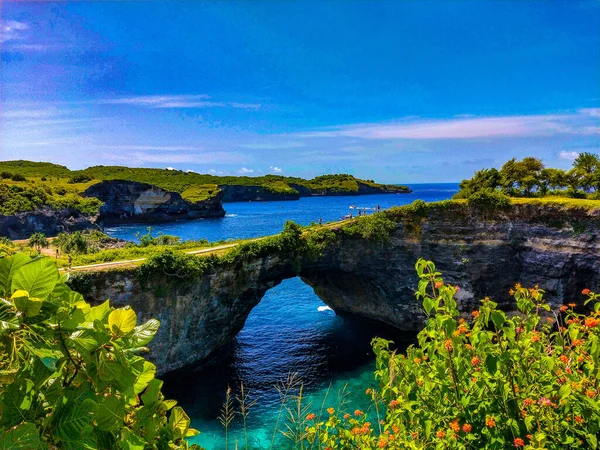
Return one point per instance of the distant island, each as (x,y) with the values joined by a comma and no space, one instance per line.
(47,197)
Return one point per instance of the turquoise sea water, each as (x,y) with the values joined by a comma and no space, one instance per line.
(290,330)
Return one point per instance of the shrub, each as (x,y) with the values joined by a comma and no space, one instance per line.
(488,199)
(18,177)
(71,374)
(491,382)
(80,178)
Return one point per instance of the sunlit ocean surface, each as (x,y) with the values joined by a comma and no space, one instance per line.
(290,330)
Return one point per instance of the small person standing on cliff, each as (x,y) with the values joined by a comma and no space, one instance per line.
(70,261)
(56,253)
(320,221)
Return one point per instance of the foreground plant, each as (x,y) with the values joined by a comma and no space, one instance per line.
(491,382)
(70,374)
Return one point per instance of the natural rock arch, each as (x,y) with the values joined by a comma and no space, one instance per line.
(485,254)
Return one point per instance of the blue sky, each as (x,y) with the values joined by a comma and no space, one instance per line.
(397,91)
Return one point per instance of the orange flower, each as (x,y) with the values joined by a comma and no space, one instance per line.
(475,314)
(368,391)
(590,393)
(564,359)
(417,361)
(535,338)
(455,426)
(585,291)
(394,403)
(358,413)
(414,435)
(519,442)
(475,361)
(330,410)
(579,419)
(528,402)
(511,292)
(440,434)
(591,322)
(549,319)
(438,284)
(563,308)
(572,305)
(311,416)
(448,345)
(467,428)
(382,442)
(490,422)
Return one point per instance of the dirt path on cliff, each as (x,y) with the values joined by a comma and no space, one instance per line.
(205,251)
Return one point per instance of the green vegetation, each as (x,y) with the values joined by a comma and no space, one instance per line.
(491,382)
(23,197)
(26,185)
(38,241)
(529,178)
(70,374)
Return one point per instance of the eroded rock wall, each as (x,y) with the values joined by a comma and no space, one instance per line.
(130,201)
(485,255)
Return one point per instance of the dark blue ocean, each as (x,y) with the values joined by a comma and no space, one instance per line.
(291,330)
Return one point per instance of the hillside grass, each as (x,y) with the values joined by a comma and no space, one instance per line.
(58,181)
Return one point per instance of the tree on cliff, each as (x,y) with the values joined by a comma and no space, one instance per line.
(70,373)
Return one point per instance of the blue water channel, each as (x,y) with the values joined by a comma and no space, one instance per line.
(290,330)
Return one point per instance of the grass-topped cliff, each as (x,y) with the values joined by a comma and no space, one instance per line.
(31,185)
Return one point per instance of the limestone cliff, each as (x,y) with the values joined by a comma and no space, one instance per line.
(484,253)
(130,201)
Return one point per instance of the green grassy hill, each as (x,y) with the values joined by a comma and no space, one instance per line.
(30,185)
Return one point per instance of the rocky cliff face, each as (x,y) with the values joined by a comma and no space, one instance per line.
(239,193)
(47,220)
(483,253)
(129,201)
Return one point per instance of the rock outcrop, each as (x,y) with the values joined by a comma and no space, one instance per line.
(47,220)
(130,201)
(241,193)
(484,253)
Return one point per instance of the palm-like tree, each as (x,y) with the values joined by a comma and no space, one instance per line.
(38,241)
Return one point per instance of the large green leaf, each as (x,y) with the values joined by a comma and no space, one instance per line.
(28,305)
(179,422)
(23,437)
(108,368)
(37,277)
(99,312)
(73,420)
(8,267)
(142,334)
(16,402)
(152,394)
(144,377)
(110,413)
(122,320)
(130,440)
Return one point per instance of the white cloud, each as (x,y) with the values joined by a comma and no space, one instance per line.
(170,168)
(274,145)
(276,169)
(568,155)
(216,172)
(190,171)
(177,101)
(245,171)
(582,122)
(12,30)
